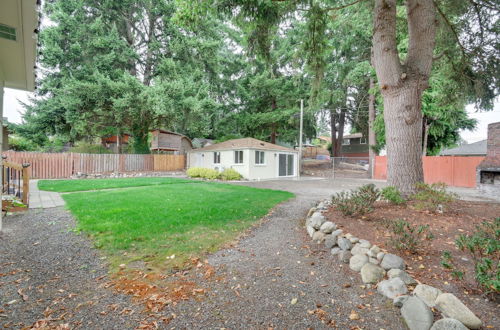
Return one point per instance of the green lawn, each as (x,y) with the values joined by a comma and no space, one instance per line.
(96,184)
(152,223)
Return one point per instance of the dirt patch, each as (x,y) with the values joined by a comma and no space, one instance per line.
(461,217)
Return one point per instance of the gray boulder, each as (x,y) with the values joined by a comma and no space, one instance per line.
(344,243)
(330,241)
(336,250)
(392,288)
(318,237)
(399,301)
(448,324)
(427,293)
(373,261)
(365,244)
(392,261)
(344,256)
(453,308)
(311,212)
(371,273)
(358,249)
(380,256)
(417,315)
(337,232)
(327,227)
(310,231)
(374,250)
(396,272)
(316,221)
(353,240)
(357,261)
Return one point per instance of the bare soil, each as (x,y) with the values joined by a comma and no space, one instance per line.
(460,217)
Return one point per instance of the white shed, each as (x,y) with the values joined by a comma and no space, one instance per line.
(252,158)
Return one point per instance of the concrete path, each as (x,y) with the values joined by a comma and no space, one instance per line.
(40,199)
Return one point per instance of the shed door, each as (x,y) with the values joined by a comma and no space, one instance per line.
(285,166)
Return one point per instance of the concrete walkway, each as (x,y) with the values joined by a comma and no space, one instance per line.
(43,199)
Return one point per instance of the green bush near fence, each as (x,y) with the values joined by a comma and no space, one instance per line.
(211,174)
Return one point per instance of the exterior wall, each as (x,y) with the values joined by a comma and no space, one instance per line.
(185,145)
(249,170)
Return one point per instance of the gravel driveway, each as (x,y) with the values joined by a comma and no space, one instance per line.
(261,277)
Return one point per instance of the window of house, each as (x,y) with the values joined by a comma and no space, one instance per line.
(346,142)
(216,157)
(238,157)
(362,141)
(259,157)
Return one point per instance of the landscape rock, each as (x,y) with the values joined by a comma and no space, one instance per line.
(330,241)
(310,231)
(344,243)
(380,256)
(357,261)
(321,206)
(448,324)
(373,261)
(399,301)
(327,227)
(392,261)
(365,244)
(417,315)
(344,256)
(453,308)
(371,273)
(311,212)
(374,250)
(316,221)
(318,237)
(392,288)
(396,272)
(427,293)
(358,249)
(336,250)
(337,232)
(354,240)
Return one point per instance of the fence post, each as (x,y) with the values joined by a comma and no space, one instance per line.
(26,185)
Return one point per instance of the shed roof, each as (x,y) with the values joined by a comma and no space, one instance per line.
(245,143)
(471,149)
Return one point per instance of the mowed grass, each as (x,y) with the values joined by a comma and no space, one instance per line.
(97,184)
(154,223)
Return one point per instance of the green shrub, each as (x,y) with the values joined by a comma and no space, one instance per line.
(358,201)
(405,236)
(200,172)
(90,148)
(432,197)
(393,195)
(484,246)
(230,174)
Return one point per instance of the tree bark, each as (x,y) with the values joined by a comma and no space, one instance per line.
(372,139)
(333,134)
(426,136)
(402,86)
(340,134)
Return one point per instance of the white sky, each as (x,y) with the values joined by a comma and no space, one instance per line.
(13,109)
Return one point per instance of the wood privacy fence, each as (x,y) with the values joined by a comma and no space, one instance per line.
(64,165)
(455,171)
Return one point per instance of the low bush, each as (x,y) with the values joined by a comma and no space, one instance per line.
(447,262)
(393,195)
(433,197)
(230,174)
(204,173)
(405,236)
(484,247)
(357,201)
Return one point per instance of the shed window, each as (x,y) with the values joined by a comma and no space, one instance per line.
(259,157)
(216,157)
(362,141)
(346,142)
(238,157)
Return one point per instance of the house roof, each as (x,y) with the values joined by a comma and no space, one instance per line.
(325,138)
(471,149)
(245,143)
(353,136)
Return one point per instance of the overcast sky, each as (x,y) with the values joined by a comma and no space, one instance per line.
(13,109)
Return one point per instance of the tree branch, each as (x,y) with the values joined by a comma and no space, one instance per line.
(344,6)
(452,28)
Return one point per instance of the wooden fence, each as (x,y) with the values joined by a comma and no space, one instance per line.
(455,171)
(64,165)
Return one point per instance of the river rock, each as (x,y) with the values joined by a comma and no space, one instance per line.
(374,250)
(417,315)
(448,324)
(336,250)
(344,256)
(371,273)
(380,256)
(316,221)
(373,261)
(318,237)
(427,293)
(330,241)
(453,308)
(327,227)
(357,261)
(358,249)
(311,212)
(365,244)
(310,231)
(354,240)
(396,272)
(392,288)
(337,232)
(344,243)
(392,261)
(400,300)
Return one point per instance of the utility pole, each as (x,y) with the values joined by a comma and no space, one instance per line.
(300,135)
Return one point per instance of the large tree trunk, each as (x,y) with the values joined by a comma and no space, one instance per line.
(426,137)
(372,139)
(340,134)
(402,86)
(333,134)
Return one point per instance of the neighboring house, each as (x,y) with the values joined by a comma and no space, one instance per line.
(471,149)
(200,142)
(252,158)
(111,142)
(355,145)
(170,142)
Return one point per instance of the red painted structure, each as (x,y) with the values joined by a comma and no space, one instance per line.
(453,170)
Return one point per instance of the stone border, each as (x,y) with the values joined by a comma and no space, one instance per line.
(375,264)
